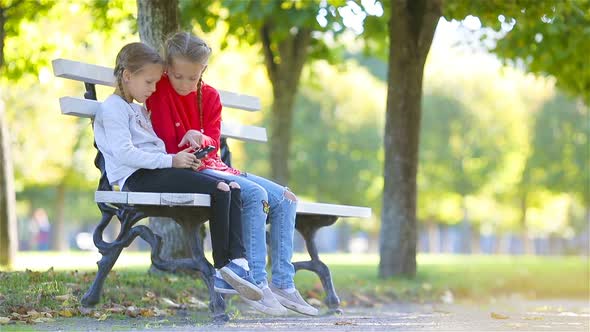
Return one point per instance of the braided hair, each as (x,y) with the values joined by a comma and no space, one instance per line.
(132,58)
(186,45)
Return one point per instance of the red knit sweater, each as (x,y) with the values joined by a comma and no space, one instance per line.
(173,115)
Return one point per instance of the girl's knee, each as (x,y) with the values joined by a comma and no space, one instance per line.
(222,186)
(290,196)
(234,185)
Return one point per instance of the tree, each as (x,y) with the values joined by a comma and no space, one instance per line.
(8,236)
(289,35)
(156,20)
(548,37)
(11,14)
(411,27)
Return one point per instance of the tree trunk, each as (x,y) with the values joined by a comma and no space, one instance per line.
(283,65)
(156,19)
(58,233)
(8,230)
(411,30)
(433,237)
(527,244)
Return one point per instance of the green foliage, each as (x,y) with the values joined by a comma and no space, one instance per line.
(548,37)
(561,156)
(245,20)
(24,57)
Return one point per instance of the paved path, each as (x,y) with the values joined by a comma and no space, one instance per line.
(504,315)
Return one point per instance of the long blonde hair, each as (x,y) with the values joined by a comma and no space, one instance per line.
(133,57)
(192,48)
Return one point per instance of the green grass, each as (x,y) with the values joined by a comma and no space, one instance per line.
(473,278)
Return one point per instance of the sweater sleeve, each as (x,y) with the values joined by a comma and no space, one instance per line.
(118,138)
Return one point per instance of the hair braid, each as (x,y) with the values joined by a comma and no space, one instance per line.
(200,103)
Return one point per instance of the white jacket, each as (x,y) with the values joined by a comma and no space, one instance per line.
(123,133)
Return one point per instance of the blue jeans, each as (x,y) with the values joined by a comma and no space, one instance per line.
(262,198)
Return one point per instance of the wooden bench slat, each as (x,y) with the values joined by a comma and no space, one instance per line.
(87,108)
(110,197)
(333,210)
(185,199)
(176,199)
(90,73)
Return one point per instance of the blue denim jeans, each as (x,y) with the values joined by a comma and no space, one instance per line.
(262,198)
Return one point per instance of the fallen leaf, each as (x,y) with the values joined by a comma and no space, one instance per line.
(534,318)
(344,323)
(498,316)
(196,303)
(103,317)
(4,320)
(159,312)
(314,302)
(64,297)
(117,309)
(66,313)
(447,297)
(147,313)
(169,303)
(131,311)
(85,311)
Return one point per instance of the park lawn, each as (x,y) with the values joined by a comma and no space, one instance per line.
(439,278)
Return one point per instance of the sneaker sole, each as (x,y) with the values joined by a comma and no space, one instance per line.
(225,291)
(264,309)
(243,287)
(296,307)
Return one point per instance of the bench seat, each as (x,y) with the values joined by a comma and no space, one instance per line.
(189,211)
(204,200)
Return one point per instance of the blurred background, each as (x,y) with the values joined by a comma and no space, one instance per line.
(503,155)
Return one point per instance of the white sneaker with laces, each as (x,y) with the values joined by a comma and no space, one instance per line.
(268,305)
(294,301)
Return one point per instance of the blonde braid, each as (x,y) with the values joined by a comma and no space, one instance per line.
(200,103)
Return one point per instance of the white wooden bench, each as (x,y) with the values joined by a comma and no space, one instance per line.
(131,207)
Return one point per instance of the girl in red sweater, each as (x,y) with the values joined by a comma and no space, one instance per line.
(187,112)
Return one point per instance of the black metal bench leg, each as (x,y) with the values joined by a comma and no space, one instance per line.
(106,263)
(207,271)
(308,230)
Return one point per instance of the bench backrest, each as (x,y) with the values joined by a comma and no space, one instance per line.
(91,75)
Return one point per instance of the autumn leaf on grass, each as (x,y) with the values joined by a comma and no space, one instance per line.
(196,303)
(169,303)
(116,309)
(66,313)
(131,311)
(103,317)
(146,312)
(4,320)
(159,312)
(149,297)
(495,315)
(314,302)
(64,297)
(344,323)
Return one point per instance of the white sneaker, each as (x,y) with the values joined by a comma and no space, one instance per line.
(268,305)
(294,301)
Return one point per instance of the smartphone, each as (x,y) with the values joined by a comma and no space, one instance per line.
(202,152)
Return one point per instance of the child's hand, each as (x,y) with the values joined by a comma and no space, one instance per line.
(185,159)
(194,138)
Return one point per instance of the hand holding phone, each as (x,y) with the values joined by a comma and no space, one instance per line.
(202,152)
